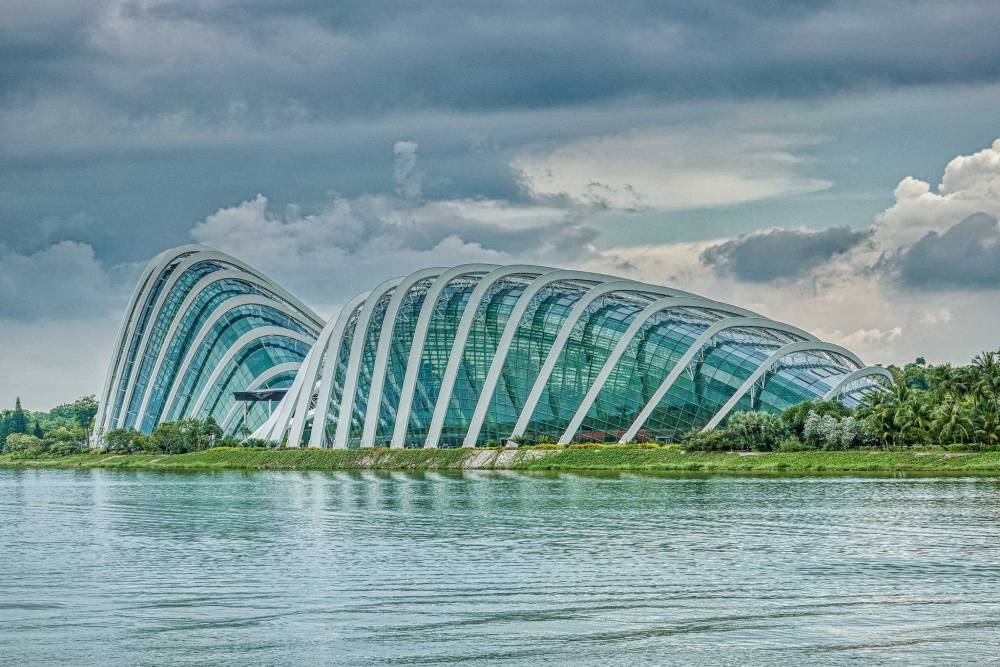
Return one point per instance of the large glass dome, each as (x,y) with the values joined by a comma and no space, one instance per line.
(461,356)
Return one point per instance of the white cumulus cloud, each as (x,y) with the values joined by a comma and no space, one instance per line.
(662,170)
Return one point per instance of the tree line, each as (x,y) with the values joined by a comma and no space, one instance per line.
(65,429)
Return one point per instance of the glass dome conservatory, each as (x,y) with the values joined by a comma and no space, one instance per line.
(460,356)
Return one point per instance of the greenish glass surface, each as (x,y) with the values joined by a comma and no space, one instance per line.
(441,331)
(480,347)
(532,340)
(399,351)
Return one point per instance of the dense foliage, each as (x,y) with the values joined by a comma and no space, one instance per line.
(929,406)
(180,437)
(65,429)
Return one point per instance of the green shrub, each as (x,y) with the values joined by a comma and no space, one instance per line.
(791,443)
(708,441)
(757,431)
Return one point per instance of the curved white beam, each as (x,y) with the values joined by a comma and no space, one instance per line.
(640,320)
(199,287)
(189,256)
(384,345)
(462,337)
(237,347)
(224,309)
(503,347)
(279,421)
(566,330)
(188,263)
(270,373)
(294,414)
(329,374)
(118,349)
(353,366)
(151,273)
(417,347)
(776,356)
(868,371)
(706,337)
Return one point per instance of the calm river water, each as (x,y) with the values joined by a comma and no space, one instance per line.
(102,567)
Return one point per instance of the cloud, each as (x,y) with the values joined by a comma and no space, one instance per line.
(924,280)
(971,184)
(62,281)
(353,244)
(59,313)
(408,176)
(780,254)
(667,170)
(966,255)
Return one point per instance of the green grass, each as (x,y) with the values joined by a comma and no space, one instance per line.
(611,458)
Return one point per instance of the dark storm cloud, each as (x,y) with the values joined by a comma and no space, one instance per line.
(966,255)
(780,253)
(160,112)
(364,57)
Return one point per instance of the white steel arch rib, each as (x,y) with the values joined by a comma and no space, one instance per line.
(279,420)
(382,351)
(270,373)
(229,304)
(353,368)
(114,378)
(700,342)
(566,330)
(325,386)
(198,255)
(224,309)
(868,371)
(462,337)
(784,351)
(190,261)
(417,346)
(140,288)
(503,347)
(294,415)
(626,339)
(237,347)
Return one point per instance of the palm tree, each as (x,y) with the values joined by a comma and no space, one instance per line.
(987,385)
(986,419)
(913,418)
(951,423)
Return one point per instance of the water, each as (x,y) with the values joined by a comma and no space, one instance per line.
(104,567)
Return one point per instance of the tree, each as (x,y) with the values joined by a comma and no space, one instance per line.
(84,409)
(22,442)
(951,424)
(986,423)
(38,430)
(795,416)
(19,420)
(914,419)
(759,431)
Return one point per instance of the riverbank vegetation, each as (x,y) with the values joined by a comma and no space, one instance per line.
(595,458)
(930,406)
(950,409)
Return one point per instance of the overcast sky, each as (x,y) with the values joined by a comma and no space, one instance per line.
(832,164)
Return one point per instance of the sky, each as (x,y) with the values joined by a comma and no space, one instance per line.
(835,165)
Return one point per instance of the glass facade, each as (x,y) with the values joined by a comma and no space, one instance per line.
(622,368)
(187,316)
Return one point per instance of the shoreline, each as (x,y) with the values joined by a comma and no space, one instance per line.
(597,459)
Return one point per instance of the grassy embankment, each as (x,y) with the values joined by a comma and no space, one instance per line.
(622,459)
